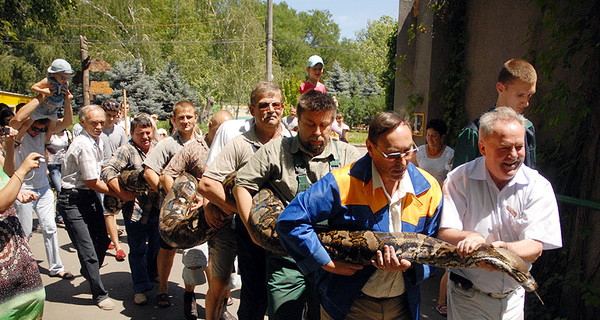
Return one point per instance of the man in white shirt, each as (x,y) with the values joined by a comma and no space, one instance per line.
(496,200)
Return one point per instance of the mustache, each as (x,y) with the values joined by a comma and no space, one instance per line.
(270,114)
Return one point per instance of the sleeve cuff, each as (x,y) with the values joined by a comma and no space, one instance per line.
(314,261)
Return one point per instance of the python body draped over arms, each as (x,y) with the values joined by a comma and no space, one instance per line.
(182,228)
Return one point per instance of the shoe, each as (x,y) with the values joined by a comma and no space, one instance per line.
(120,255)
(228,301)
(442,310)
(162,300)
(60,221)
(65,275)
(227,316)
(140,299)
(190,311)
(111,246)
(120,232)
(106,304)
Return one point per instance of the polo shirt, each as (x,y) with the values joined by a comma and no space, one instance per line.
(525,208)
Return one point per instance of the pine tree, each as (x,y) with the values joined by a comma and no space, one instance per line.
(173,88)
(370,86)
(142,89)
(337,83)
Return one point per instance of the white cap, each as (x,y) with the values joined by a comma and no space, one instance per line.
(60,66)
(161,131)
(194,257)
(314,60)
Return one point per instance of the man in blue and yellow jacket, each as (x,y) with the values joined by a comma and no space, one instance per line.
(382,191)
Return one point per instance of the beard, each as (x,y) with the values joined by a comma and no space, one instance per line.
(315,149)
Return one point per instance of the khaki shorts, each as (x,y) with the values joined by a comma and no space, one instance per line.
(222,250)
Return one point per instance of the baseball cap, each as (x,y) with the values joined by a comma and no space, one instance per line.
(60,66)
(314,60)
(194,257)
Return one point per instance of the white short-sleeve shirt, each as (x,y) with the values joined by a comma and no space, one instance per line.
(82,161)
(525,208)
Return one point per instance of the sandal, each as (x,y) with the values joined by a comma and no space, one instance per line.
(66,275)
(442,309)
(162,300)
(120,256)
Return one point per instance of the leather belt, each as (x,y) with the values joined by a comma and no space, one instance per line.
(368,297)
(467,285)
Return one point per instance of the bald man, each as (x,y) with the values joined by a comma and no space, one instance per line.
(215,122)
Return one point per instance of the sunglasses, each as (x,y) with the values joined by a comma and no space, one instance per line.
(35,129)
(400,155)
(265,105)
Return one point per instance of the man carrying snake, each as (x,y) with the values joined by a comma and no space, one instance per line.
(496,200)
(266,107)
(289,166)
(383,191)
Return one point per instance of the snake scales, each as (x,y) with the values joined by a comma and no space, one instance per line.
(182,228)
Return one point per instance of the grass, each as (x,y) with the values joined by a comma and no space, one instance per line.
(357,137)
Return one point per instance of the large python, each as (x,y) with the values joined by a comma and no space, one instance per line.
(182,228)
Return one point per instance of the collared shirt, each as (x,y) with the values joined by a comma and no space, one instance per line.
(384,284)
(235,155)
(273,165)
(36,178)
(524,209)
(128,157)
(165,149)
(191,159)
(82,161)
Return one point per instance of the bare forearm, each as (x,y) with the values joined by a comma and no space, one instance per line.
(98,185)
(166,181)
(454,236)
(152,178)
(214,191)
(528,249)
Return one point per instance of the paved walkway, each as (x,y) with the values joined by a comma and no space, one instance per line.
(67,300)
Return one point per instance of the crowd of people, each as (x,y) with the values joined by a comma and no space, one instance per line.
(485,191)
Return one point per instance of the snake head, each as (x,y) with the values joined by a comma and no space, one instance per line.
(518,269)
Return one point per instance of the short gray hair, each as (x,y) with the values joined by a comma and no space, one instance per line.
(83,112)
(487,120)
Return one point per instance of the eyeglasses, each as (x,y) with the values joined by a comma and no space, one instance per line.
(35,129)
(265,105)
(400,155)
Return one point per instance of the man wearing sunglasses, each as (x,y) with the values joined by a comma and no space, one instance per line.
(289,166)
(383,191)
(33,139)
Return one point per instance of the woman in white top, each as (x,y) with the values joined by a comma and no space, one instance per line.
(56,148)
(436,158)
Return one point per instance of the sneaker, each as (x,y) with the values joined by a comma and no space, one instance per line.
(106,304)
(190,311)
(120,255)
(111,246)
(140,299)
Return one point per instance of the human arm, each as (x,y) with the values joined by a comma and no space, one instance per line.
(214,191)
(243,199)
(152,178)
(113,184)
(9,193)
(67,119)
(9,151)
(43,87)
(99,186)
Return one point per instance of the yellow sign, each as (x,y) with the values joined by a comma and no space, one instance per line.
(100,87)
(13,99)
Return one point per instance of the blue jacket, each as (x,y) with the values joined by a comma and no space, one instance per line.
(345,198)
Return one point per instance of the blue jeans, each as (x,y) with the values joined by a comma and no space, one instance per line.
(85,225)
(55,176)
(142,256)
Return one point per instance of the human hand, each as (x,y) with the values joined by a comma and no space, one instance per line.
(25,196)
(213,216)
(388,261)
(126,196)
(342,268)
(9,132)
(469,244)
(196,203)
(32,161)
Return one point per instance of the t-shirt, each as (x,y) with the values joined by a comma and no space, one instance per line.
(37,177)
(113,138)
(437,167)
(309,86)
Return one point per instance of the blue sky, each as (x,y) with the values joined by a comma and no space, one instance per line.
(350,15)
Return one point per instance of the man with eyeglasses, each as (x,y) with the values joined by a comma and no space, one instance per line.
(288,166)
(383,191)
(33,138)
(266,107)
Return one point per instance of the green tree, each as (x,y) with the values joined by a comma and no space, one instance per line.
(337,82)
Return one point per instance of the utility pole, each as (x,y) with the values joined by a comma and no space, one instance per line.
(269,75)
(85,69)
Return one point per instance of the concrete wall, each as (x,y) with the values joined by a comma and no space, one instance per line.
(497,31)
